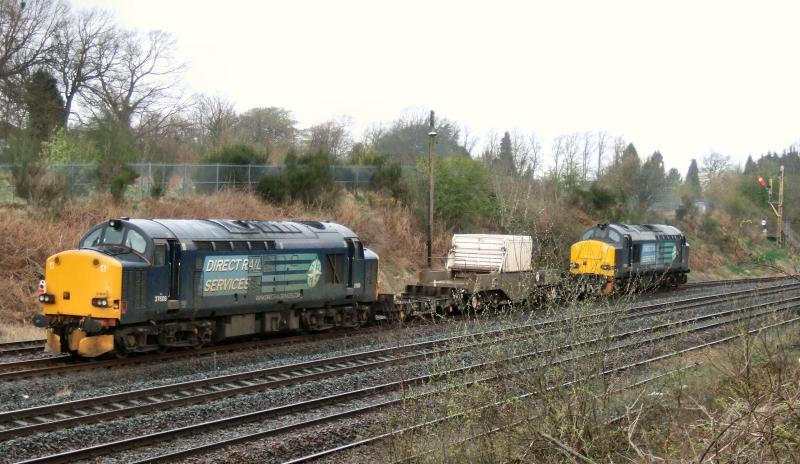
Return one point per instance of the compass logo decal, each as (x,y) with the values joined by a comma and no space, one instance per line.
(314,271)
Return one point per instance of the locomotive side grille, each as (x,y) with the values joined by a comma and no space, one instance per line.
(134,288)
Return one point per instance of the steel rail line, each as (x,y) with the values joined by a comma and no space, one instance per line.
(91,410)
(171,457)
(65,363)
(35,345)
(70,364)
(119,445)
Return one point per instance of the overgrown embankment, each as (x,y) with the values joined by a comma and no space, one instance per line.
(29,235)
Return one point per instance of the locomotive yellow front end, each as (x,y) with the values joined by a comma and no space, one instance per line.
(81,298)
(593,261)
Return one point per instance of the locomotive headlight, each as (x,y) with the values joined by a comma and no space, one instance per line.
(100,302)
(47,298)
(605,267)
(574,265)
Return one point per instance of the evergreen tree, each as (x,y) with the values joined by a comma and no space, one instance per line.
(630,153)
(44,105)
(692,181)
(674,178)
(750,166)
(506,157)
(652,181)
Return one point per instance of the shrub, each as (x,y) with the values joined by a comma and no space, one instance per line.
(310,178)
(233,155)
(389,177)
(117,176)
(274,189)
(463,196)
(239,153)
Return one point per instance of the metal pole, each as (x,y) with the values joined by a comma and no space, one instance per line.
(431,138)
(779,231)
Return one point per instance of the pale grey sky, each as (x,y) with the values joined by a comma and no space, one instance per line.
(682,77)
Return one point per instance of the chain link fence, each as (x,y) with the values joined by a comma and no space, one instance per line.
(183,179)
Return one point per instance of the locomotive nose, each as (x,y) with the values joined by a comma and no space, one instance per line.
(82,283)
(81,295)
(592,257)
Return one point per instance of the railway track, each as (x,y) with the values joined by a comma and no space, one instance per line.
(21,347)
(16,370)
(82,412)
(378,358)
(386,404)
(51,365)
(427,425)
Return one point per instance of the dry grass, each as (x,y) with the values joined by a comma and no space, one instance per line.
(19,332)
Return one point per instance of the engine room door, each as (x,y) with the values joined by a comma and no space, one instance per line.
(351,251)
(355,267)
(174,249)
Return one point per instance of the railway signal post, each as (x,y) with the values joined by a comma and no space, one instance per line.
(776,205)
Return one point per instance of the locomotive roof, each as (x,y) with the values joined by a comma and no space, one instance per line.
(230,229)
(642,231)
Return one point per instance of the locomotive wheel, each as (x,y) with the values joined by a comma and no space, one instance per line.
(119,351)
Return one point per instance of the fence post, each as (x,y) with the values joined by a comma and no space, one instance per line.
(249,180)
(71,178)
(216,182)
(149,178)
(355,184)
(185,177)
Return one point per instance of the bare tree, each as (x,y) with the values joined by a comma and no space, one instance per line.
(26,30)
(470,140)
(373,134)
(85,49)
(713,165)
(141,79)
(491,149)
(602,140)
(571,148)
(558,155)
(215,119)
(520,152)
(536,157)
(332,137)
(619,147)
(587,149)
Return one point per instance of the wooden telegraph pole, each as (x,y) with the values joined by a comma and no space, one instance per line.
(431,141)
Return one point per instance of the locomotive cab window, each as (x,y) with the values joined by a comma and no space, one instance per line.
(135,241)
(92,239)
(113,236)
(614,236)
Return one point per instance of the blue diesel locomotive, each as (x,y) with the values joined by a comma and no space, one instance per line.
(138,285)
